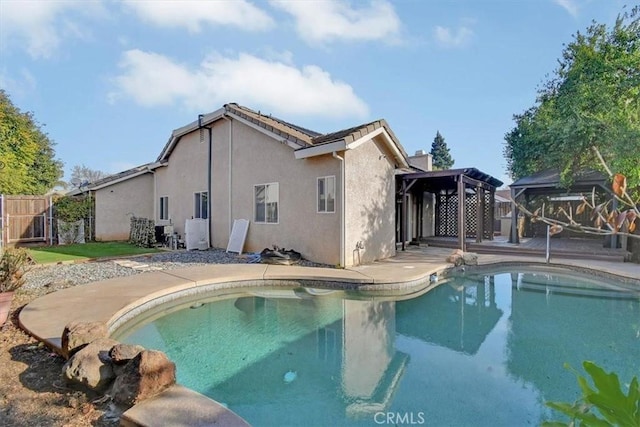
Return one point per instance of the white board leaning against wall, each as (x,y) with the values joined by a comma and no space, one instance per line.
(238,235)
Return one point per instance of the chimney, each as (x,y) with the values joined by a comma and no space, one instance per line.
(422,160)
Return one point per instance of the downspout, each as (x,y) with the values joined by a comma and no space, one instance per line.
(230,178)
(155,196)
(342,210)
(209,173)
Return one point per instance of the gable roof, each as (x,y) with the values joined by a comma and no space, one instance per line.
(117,177)
(350,138)
(297,137)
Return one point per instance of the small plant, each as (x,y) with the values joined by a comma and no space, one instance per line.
(13,265)
(615,408)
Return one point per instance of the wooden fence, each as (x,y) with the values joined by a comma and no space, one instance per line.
(25,219)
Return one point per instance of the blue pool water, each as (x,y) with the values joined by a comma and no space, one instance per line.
(485,350)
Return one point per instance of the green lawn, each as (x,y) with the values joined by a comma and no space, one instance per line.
(85,251)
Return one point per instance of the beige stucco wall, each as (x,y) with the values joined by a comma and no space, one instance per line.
(370,203)
(259,159)
(185,175)
(116,203)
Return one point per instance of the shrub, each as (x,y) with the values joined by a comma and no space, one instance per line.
(13,265)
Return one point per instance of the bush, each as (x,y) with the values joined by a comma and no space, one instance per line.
(13,265)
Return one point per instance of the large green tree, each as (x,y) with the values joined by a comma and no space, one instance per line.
(591,101)
(440,152)
(27,157)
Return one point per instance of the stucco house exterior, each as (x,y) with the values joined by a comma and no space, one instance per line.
(331,197)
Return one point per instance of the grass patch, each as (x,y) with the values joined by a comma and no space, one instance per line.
(77,252)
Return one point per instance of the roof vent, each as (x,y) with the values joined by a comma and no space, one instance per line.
(421,153)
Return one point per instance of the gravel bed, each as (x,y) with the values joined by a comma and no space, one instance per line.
(59,276)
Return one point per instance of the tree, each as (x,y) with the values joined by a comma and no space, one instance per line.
(27,157)
(82,174)
(440,152)
(591,102)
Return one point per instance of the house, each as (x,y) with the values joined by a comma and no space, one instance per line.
(329,196)
(332,197)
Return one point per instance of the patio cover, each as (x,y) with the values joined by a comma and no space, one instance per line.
(449,179)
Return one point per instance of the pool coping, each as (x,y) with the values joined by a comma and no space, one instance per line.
(117,300)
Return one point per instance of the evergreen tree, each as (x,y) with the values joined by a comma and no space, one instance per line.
(440,152)
(27,158)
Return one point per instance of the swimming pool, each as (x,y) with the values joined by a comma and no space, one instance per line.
(476,350)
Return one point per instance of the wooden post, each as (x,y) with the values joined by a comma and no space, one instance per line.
(514,238)
(479,213)
(492,210)
(461,225)
(403,215)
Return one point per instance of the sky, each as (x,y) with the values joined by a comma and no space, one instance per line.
(109,80)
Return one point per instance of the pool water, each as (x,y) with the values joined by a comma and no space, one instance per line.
(485,350)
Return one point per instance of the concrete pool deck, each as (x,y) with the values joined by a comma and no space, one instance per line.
(110,300)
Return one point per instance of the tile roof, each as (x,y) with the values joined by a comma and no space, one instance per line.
(291,132)
(114,177)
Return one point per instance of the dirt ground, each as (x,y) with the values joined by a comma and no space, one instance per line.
(32,390)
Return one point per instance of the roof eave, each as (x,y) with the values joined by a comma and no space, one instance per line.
(342,145)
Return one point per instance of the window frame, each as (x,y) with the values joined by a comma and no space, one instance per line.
(324,178)
(197,214)
(277,203)
(163,209)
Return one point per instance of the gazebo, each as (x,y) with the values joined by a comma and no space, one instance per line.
(548,184)
(463,203)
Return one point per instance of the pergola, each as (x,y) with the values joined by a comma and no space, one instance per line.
(464,203)
(548,183)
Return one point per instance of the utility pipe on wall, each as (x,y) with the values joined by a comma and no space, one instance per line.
(342,210)
(230,179)
(209,173)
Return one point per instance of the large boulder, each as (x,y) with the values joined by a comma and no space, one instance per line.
(470,258)
(91,366)
(77,335)
(120,354)
(455,257)
(144,376)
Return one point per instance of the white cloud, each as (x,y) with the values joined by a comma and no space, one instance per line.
(42,25)
(568,5)
(325,21)
(449,38)
(22,85)
(193,14)
(152,79)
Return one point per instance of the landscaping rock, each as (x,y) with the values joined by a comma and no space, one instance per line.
(77,335)
(456,258)
(120,354)
(470,258)
(144,376)
(91,366)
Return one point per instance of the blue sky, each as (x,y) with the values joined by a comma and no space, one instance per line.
(110,79)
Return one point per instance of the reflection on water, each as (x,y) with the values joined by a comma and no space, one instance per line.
(475,351)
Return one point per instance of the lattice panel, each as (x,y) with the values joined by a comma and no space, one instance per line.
(446,215)
(470,211)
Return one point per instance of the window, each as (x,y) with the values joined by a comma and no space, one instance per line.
(164,208)
(327,194)
(201,209)
(266,203)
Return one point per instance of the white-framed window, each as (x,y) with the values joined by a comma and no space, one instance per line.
(327,194)
(164,208)
(265,204)
(201,207)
